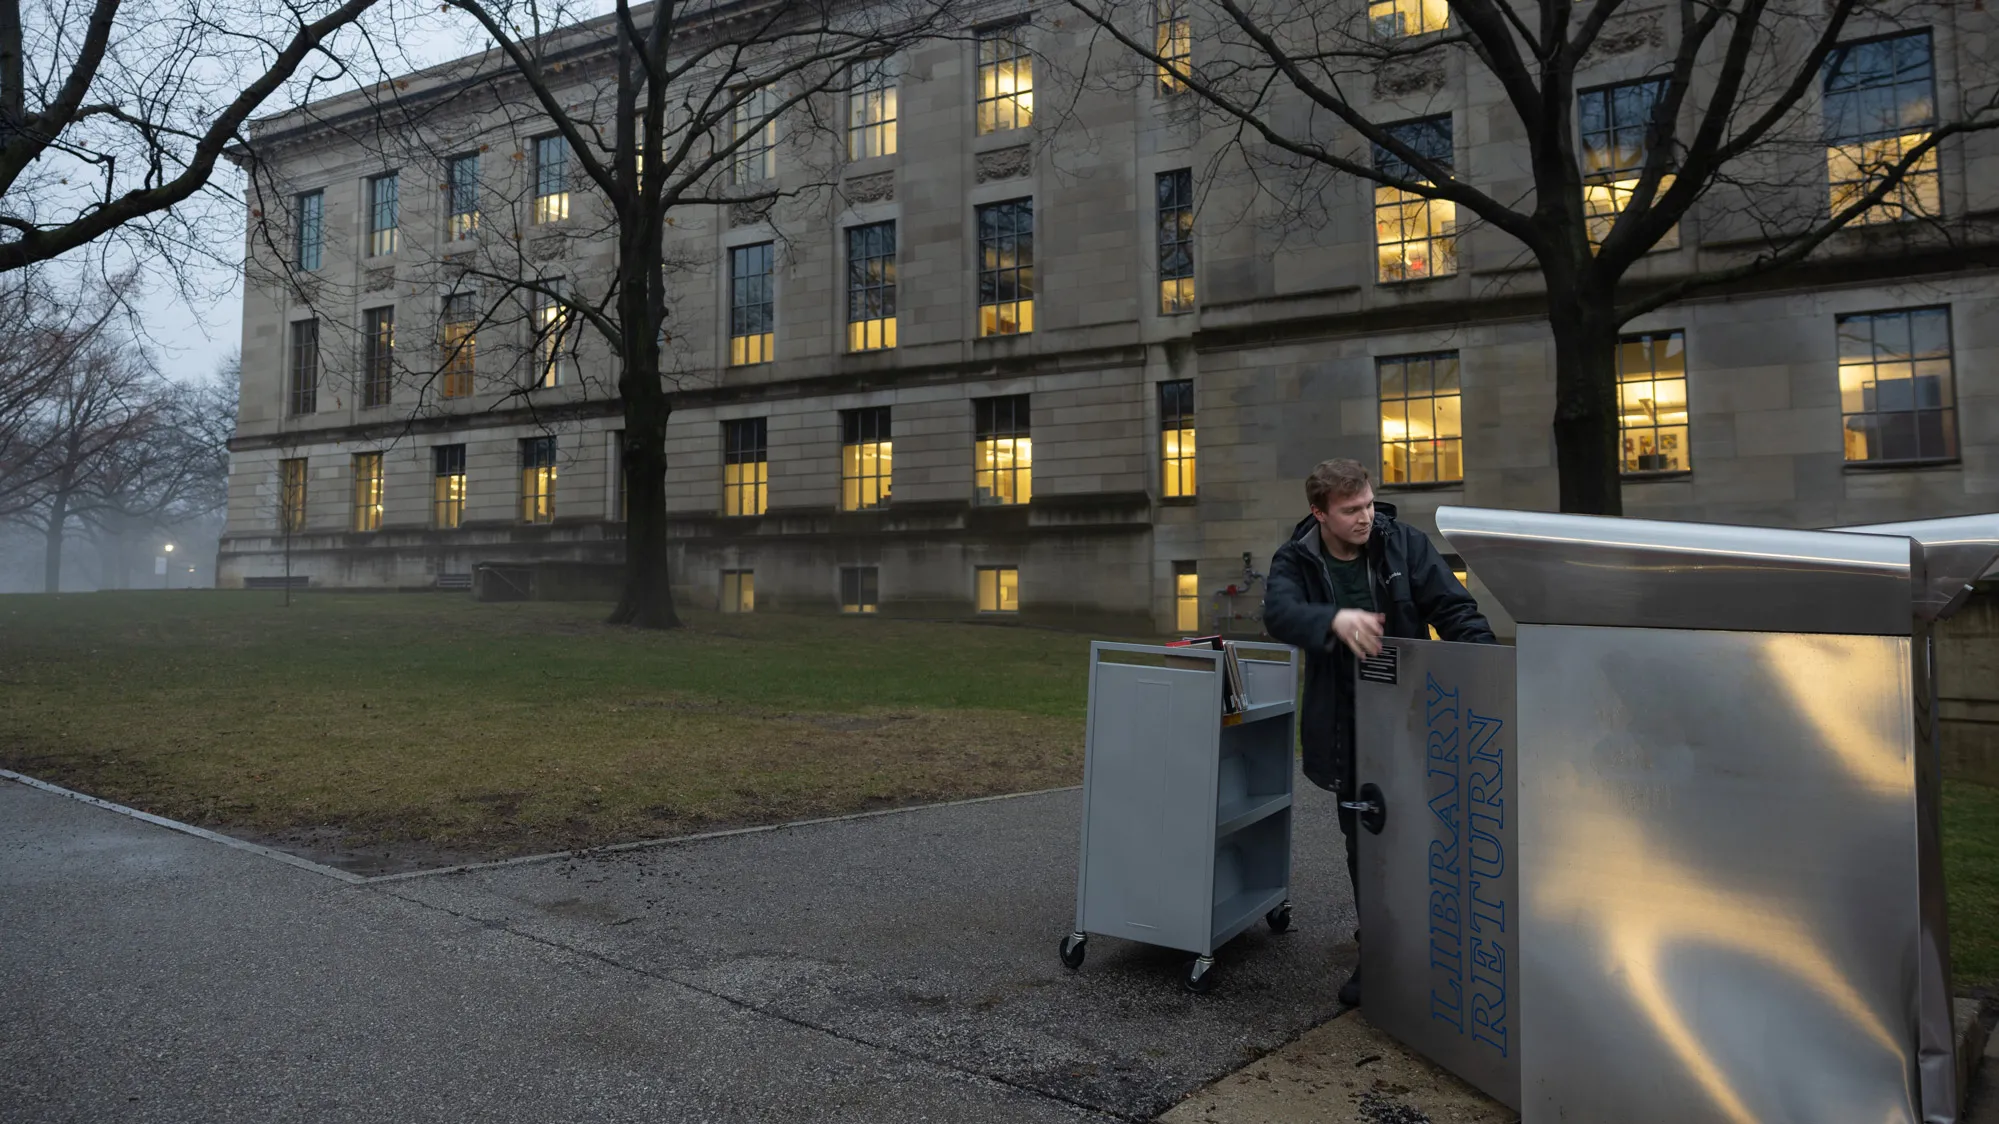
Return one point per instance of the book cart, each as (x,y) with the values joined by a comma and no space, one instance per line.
(1187,789)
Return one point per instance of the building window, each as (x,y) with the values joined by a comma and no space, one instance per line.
(1880,102)
(1176,439)
(1895,386)
(461,189)
(1175,192)
(311,229)
(1652,401)
(1616,127)
(871,110)
(753,128)
(739,591)
(448,496)
(460,344)
(1415,237)
(1186,598)
(1421,429)
(866,458)
(538,480)
(745,467)
(1006,79)
(382,215)
(305,367)
(998,589)
(1173,42)
(378,356)
(871,286)
(752,311)
(1399,19)
(291,494)
(367,491)
(1006,268)
(860,589)
(1002,451)
(553,323)
(551,179)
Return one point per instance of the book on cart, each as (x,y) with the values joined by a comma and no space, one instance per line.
(1235,694)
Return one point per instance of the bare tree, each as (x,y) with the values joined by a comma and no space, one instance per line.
(170,469)
(114,111)
(650,113)
(1729,113)
(46,332)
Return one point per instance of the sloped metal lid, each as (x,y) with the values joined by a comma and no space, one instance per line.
(1955,553)
(1547,568)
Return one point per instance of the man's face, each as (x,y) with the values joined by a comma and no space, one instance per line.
(1350,519)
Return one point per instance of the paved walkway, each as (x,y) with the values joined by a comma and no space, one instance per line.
(898,968)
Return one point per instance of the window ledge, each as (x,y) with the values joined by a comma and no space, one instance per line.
(1179,501)
(1425,486)
(1864,467)
(1410,281)
(1647,477)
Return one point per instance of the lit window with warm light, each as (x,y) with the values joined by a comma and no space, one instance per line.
(448,489)
(461,196)
(1896,393)
(860,589)
(752,305)
(538,480)
(1006,79)
(1422,429)
(367,491)
(378,356)
(459,342)
(1880,104)
(1006,268)
(1399,19)
(739,591)
(1173,42)
(871,287)
(998,589)
(551,179)
(871,109)
(753,127)
(1002,451)
(867,459)
(384,216)
(291,494)
(553,324)
(1615,123)
(1174,193)
(1415,237)
(745,467)
(1652,402)
(1176,439)
(1186,598)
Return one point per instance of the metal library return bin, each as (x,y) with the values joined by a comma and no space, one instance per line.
(1186,801)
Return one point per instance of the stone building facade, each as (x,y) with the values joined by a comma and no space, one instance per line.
(1105,454)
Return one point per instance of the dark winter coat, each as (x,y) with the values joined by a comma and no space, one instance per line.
(1414,588)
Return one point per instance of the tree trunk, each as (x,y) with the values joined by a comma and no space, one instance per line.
(647,600)
(1587,438)
(52,543)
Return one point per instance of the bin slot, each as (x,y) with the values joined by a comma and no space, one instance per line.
(1252,867)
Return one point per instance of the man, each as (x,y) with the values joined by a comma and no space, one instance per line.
(1349,575)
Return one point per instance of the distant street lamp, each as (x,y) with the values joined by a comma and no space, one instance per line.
(167,572)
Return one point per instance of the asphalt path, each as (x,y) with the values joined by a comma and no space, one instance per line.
(893,968)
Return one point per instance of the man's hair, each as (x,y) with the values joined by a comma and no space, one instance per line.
(1334,480)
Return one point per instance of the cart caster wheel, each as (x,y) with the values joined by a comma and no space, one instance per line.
(1201,975)
(1279,918)
(1072,950)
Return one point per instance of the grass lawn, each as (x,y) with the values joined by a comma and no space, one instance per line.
(497,729)
(1971,874)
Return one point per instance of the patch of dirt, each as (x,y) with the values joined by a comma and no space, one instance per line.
(331,846)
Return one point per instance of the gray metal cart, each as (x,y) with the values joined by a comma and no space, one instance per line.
(1186,809)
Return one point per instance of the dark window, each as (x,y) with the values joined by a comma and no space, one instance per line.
(752,309)
(871,286)
(745,467)
(311,229)
(449,495)
(462,189)
(460,343)
(859,589)
(1006,268)
(378,356)
(866,458)
(553,323)
(1002,451)
(305,366)
(382,215)
(1895,386)
(1176,241)
(1176,438)
(551,179)
(1415,237)
(1880,102)
(1616,127)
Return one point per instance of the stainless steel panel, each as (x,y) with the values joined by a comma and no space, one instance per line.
(1438,886)
(1719,865)
(1955,553)
(1586,570)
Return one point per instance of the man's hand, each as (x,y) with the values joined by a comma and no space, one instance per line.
(1359,630)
